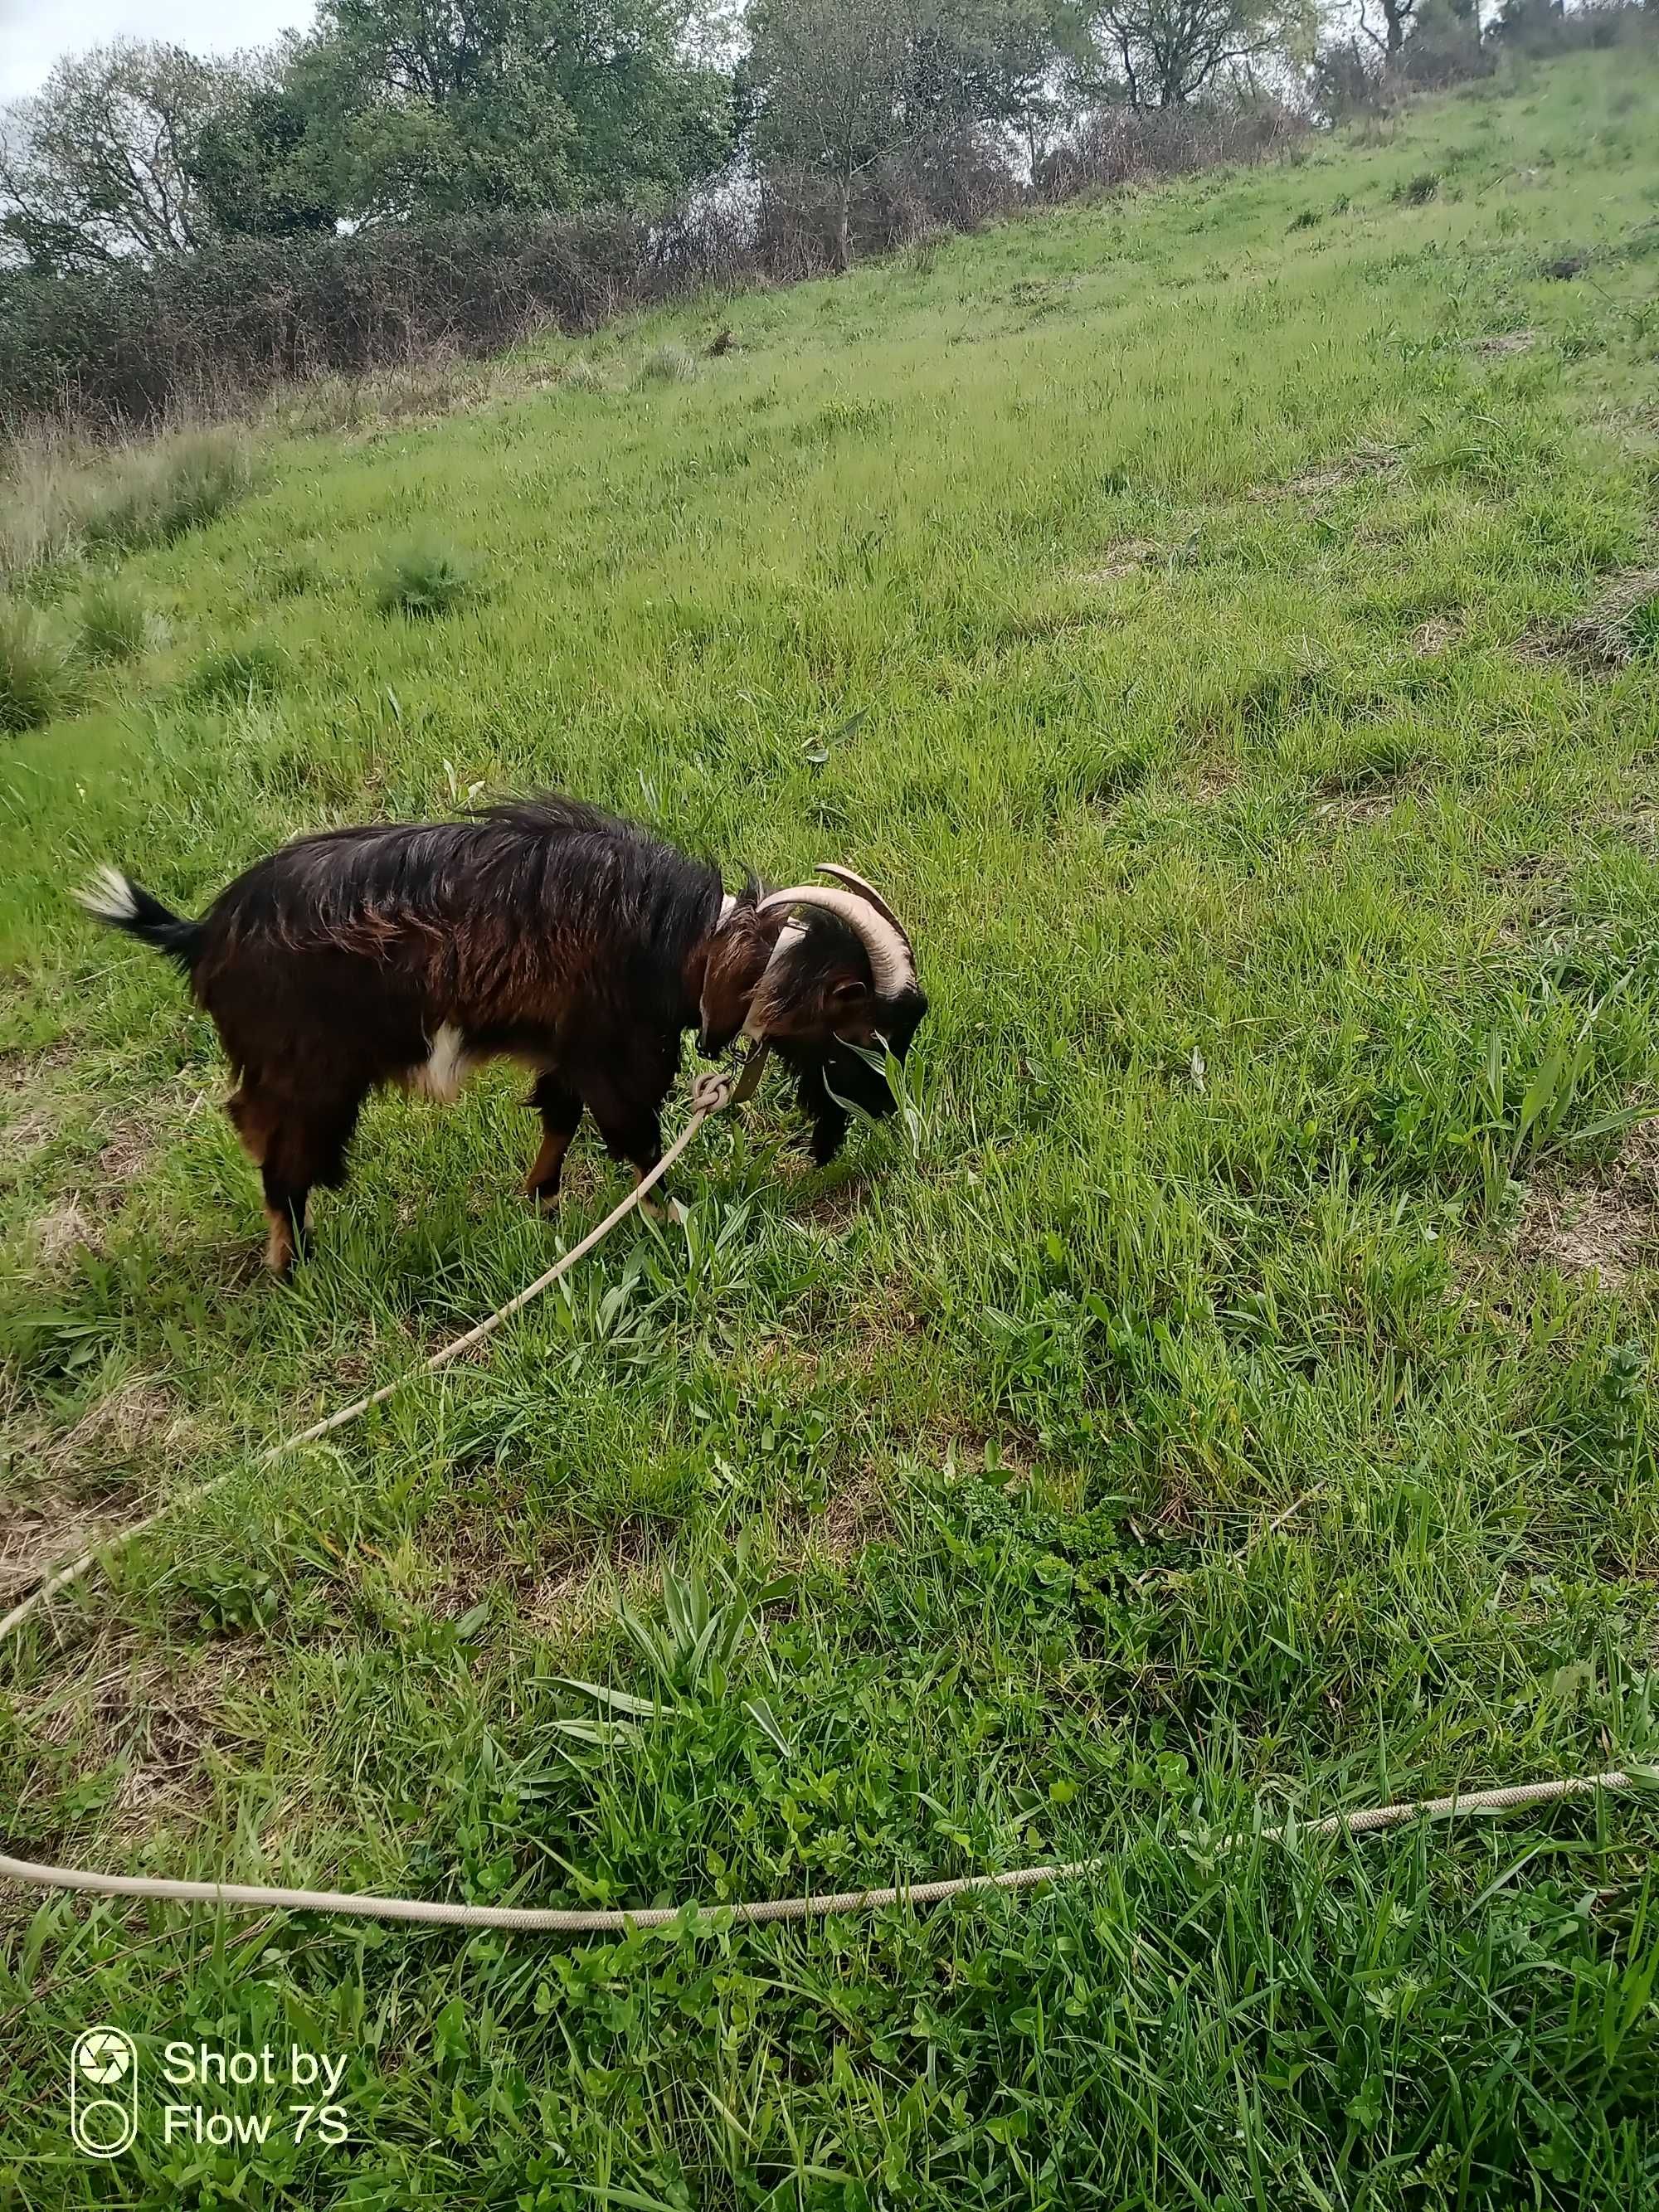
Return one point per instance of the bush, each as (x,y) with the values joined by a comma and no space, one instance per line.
(1129,145)
(35,669)
(423,581)
(132,345)
(1445,47)
(111,624)
(1544,26)
(1418,191)
(1350,80)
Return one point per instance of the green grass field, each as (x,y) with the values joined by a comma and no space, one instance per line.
(1224,618)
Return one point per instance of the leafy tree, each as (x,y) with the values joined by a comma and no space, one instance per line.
(1163,53)
(100,163)
(426,107)
(836,86)
(1446,45)
(256,165)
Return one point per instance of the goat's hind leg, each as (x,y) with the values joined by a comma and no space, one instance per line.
(633,1134)
(307,1145)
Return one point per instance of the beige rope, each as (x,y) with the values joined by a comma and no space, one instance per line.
(618,1920)
(712,1091)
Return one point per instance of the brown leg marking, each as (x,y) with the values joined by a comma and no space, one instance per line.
(253,1124)
(547,1165)
(279,1245)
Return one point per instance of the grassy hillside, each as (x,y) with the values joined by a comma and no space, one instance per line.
(1224,619)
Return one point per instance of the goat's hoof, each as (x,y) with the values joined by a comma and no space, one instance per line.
(671,1209)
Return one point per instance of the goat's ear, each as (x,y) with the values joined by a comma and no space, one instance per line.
(845,989)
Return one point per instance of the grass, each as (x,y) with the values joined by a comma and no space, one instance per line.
(34,668)
(60,497)
(423,581)
(110,622)
(244,672)
(1210,1397)
(669,364)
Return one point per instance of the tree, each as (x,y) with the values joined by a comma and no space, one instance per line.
(1446,45)
(97,165)
(426,107)
(256,162)
(1163,53)
(838,86)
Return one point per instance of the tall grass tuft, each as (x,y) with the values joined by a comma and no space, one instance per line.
(423,581)
(36,675)
(61,497)
(669,364)
(154,493)
(112,623)
(244,672)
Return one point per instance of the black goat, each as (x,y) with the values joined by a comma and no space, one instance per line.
(548,933)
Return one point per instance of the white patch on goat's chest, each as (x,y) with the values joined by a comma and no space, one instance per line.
(444,1070)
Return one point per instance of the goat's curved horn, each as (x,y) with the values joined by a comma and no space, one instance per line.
(892,969)
(868,891)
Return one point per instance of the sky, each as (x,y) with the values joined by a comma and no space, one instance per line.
(35,33)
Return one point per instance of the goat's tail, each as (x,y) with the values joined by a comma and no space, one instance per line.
(117,899)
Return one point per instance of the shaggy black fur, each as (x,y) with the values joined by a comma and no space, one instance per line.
(544,930)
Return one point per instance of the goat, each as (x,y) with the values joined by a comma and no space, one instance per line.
(545,932)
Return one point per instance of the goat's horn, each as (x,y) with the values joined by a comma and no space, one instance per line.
(891,967)
(868,891)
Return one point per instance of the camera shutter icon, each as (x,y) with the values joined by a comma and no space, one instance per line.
(103,2092)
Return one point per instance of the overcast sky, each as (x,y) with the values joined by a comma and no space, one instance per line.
(33,33)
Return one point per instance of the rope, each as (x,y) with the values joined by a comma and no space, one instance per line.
(621,1920)
(710,1093)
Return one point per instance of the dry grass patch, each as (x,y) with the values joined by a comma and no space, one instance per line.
(1436,635)
(1622,620)
(855,1515)
(1214,780)
(160,1729)
(1314,485)
(1126,558)
(1506,342)
(66,1227)
(1620,625)
(1607,1225)
(586,1586)
(80,1490)
(1375,803)
(47,1533)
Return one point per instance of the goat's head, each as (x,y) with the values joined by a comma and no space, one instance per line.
(827,977)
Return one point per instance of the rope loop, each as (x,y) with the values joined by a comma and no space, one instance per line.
(712,1091)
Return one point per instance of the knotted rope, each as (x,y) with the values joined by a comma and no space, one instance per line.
(711,1093)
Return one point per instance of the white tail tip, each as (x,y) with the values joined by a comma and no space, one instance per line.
(109,896)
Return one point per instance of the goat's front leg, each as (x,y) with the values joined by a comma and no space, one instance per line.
(561,1111)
